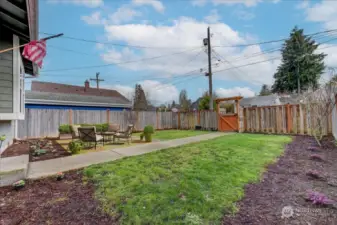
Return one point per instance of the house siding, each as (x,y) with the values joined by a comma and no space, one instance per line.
(6,77)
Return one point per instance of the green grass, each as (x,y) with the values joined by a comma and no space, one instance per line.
(192,184)
(174,134)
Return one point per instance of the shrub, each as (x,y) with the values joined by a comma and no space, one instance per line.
(148,131)
(100,127)
(2,137)
(64,129)
(318,198)
(19,184)
(141,136)
(75,147)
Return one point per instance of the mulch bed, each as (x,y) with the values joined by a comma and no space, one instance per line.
(21,147)
(48,201)
(286,184)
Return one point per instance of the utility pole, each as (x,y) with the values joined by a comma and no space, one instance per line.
(97,80)
(209,68)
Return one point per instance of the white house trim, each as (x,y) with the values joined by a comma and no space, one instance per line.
(17,97)
(60,102)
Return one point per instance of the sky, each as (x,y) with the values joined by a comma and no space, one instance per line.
(159,43)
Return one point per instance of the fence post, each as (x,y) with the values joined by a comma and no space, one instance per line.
(238,114)
(198,117)
(288,118)
(70,116)
(245,119)
(108,116)
(178,120)
(157,120)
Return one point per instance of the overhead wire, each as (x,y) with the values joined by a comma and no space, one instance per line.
(233,67)
(118,44)
(120,63)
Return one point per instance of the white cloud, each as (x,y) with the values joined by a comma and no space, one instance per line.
(99,46)
(156,91)
(199,2)
(123,14)
(324,12)
(235,91)
(247,3)
(303,4)
(87,3)
(156,4)
(244,14)
(187,33)
(126,91)
(93,19)
(213,17)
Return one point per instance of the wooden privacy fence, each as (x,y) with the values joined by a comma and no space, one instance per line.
(45,122)
(284,119)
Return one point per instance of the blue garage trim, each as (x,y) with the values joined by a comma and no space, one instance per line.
(38,106)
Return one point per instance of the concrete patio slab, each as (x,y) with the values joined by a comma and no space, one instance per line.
(52,166)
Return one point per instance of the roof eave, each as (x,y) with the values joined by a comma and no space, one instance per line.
(59,102)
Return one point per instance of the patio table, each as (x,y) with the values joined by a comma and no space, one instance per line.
(107,135)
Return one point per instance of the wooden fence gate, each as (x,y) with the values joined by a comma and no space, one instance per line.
(228,122)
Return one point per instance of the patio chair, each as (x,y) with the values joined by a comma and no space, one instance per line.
(88,134)
(74,131)
(124,135)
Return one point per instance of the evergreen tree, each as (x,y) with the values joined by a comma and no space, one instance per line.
(173,105)
(184,102)
(140,103)
(298,60)
(265,90)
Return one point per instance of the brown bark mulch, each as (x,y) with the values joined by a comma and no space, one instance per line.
(48,201)
(21,147)
(285,183)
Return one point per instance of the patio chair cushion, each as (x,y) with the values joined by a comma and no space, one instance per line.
(74,129)
(113,127)
(99,137)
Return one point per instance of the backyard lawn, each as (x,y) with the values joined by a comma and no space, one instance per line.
(193,184)
(174,134)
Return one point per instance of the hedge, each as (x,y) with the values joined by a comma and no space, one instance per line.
(100,127)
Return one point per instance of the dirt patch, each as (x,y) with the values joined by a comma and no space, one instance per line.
(286,183)
(52,149)
(48,201)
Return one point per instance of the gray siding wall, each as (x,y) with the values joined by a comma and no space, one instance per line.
(6,77)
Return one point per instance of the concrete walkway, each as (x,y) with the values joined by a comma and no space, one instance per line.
(52,166)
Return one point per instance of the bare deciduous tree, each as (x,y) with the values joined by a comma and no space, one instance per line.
(319,105)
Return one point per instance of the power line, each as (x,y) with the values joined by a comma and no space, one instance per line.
(272,41)
(70,50)
(120,63)
(118,44)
